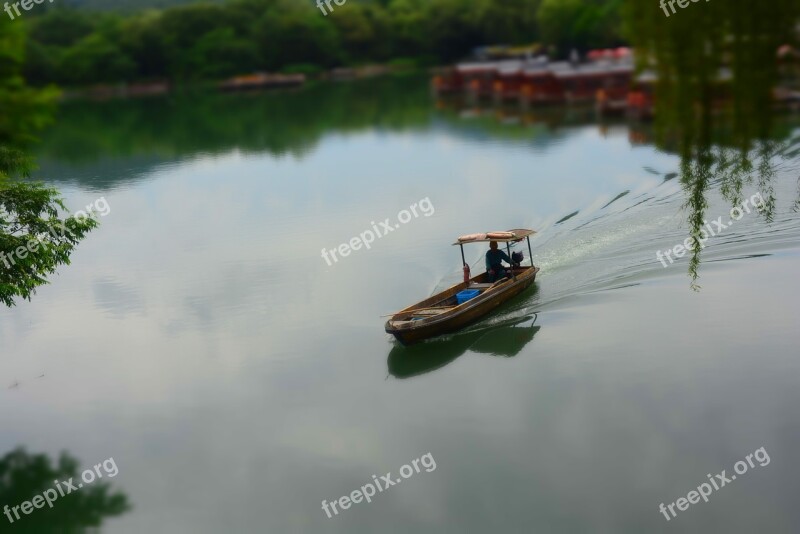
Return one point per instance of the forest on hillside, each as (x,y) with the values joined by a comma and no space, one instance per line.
(129,5)
(73,47)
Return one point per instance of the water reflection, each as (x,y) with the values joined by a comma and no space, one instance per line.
(716,78)
(279,123)
(23,476)
(506,340)
(108,144)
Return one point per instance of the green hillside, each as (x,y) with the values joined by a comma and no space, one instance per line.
(213,41)
(131,5)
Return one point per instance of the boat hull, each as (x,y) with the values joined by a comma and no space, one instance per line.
(463,315)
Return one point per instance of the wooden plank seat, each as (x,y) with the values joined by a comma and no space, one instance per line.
(430,311)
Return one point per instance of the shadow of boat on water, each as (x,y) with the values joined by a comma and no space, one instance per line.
(506,340)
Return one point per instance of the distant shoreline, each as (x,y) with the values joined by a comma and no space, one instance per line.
(251,82)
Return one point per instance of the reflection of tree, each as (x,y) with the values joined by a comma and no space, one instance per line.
(149,131)
(716,69)
(34,240)
(23,476)
(283,122)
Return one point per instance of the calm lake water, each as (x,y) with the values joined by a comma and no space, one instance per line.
(238,380)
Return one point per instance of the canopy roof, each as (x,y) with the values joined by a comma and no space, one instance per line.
(516,234)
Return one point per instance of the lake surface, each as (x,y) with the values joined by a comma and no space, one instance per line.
(238,380)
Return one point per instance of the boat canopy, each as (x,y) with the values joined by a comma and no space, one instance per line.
(516,234)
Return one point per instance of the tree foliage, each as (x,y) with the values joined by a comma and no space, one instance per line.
(580,24)
(214,40)
(34,238)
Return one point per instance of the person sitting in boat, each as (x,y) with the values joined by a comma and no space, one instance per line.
(494,266)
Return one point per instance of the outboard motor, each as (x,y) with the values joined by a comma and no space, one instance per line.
(516,258)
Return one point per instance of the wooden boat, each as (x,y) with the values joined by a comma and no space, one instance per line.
(442,314)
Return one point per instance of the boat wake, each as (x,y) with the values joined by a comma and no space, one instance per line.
(616,246)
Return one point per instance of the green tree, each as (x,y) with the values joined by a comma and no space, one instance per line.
(359,34)
(182,27)
(220,53)
(49,36)
(96,58)
(580,24)
(61,28)
(209,40)
(297,34)
(408,18)
(450,30)
(143,40)
(511,21)
(30,214)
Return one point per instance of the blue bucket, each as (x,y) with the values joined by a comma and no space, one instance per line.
(464,296)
